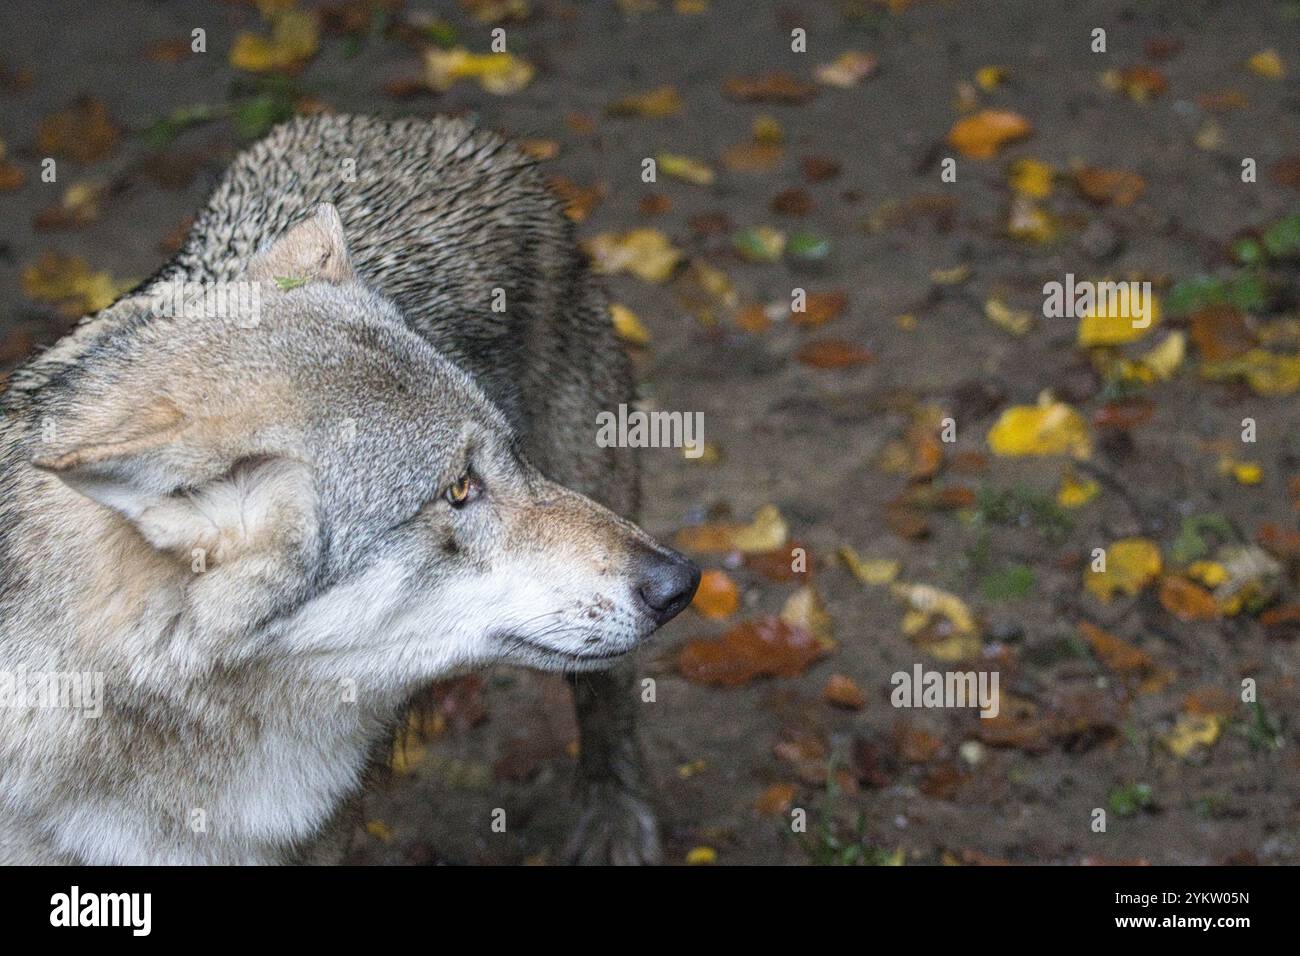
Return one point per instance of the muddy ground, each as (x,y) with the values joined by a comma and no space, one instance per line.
(810,440)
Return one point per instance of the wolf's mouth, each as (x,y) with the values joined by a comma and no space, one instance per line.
(518,641)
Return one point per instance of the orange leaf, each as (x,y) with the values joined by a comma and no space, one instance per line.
(841,691)
(776,799)
(717,597)
(982,135)
(763,647)
(820,308)
(1187,601)
(1109,187)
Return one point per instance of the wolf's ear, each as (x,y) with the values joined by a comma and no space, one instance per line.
(184,488)
(314,249)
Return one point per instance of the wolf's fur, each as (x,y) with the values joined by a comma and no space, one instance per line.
(302,461)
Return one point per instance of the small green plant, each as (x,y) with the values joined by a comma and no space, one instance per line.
(1131,800)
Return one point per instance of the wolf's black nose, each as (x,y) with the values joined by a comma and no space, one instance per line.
(668,582)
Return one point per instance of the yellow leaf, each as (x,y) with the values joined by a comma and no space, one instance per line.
(1048,428)
(989,78)
(499,73)
(1192,731)
(1267,64)
(767,532)
(1161,362)
(627,325)
(869,570)
(658,103)
(949,628)
(1265,372)
(1243,472)
(1075,493)
(848,69)
(683,167)
(295,37)
(68,282)
(804,610)
(1031,178)
(1015,321)
(1131,564)
(1117,316)
(1030,222)
(380,831)
(701,856)
(645,253)
(1209,573)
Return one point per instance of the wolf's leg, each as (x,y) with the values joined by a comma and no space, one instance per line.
(618,822)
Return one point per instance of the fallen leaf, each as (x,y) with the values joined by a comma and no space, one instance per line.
(627,325)
(685,168)
(718,596)
(763,647)
(805,611)
(1048,428)
(820,308)
(1117,316)
(1031,178)
(759,243)
(874,571)
(769,88)
(656,104)
(579,201)
(1015,321)
(752,157)
(767,532)
(1131,564)
(1187,601)
(818,169)
(1192,731)
(776,800)
(841,691)
(69,283)
(1268,64)
(1267,373)
(1109,187)
(1122,658)
(835,354)
(981,136)
(294,39)
(82,132)
(848,69)
(1076,492)
(645,253)
(498,73)
(1140,83)
(701,856)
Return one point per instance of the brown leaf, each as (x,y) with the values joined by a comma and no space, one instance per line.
(1286,171)
(168,51)
(1282,543)
(1281,622)
(1220,332)
(1123,416)
(818,169)
(834,354)
(1109,187)
(915,745)
(776,800)
(654,204)
(578,201)
(769,88)
(841,691)
(1142,82)
(752,157)
(778,565)
(762,647)
(792,202)
(83,132)
(820,308)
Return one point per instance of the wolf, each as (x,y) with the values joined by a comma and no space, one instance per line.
(265,522)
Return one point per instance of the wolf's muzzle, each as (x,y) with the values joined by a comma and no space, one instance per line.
(667,583)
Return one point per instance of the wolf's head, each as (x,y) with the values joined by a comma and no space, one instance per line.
(304,477)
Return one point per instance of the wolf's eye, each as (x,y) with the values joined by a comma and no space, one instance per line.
(461,491)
